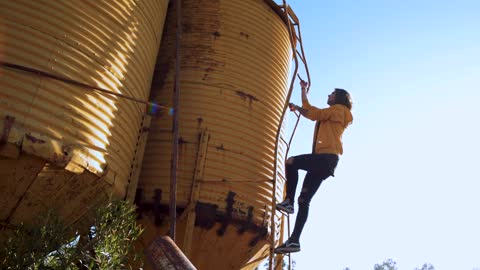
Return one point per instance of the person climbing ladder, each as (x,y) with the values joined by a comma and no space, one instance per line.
(321,163)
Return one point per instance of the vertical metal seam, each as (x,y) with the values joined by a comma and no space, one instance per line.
(173,180)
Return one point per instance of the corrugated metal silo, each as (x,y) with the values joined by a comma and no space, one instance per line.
(235,60)
(64,145)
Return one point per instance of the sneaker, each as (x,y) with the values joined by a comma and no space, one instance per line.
(288,247)
(285,206)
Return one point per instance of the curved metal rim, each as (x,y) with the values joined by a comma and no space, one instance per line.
(278,10)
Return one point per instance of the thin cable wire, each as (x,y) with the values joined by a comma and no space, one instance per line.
(41,73)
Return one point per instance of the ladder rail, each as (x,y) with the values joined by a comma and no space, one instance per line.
(274,184)
(302,57)
(296,55)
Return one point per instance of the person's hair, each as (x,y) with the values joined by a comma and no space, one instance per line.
(343,97)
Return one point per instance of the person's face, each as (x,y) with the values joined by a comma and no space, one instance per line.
(331,98)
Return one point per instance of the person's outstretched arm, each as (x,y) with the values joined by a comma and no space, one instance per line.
(301,110)
(309,111)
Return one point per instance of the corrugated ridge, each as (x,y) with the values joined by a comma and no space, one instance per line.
(112,45)
(235,61)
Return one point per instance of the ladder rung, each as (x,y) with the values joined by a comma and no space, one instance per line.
(300,56)
(293,15)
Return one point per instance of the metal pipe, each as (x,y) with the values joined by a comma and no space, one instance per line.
(163,253)
(176,96)
(41,73)
(289,256)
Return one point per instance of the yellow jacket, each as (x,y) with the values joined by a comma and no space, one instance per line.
(331,122)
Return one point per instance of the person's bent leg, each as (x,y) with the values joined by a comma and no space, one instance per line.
(310,186)
(319,167)
(293,164)
(291,170)
(292,179)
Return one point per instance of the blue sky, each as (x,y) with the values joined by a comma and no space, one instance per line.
(407,186)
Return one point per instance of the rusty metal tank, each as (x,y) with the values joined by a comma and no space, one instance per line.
(235,60)
(64,144)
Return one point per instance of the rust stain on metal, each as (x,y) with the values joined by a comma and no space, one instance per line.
(208,214)
(156,207)
(60,160)
(182,141)
(222,148)
(66,149)
(262,233)
(244,35)
(34,139)
(199,121)
(246,96)
(227,218)
(8,123)
(162,67)
(245,226)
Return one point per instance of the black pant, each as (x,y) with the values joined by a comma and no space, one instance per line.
(319,167)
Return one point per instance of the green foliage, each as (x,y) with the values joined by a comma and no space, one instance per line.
(31,247)
(50,244)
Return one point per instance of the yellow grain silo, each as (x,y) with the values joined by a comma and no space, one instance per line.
(233,86)
(63,144)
